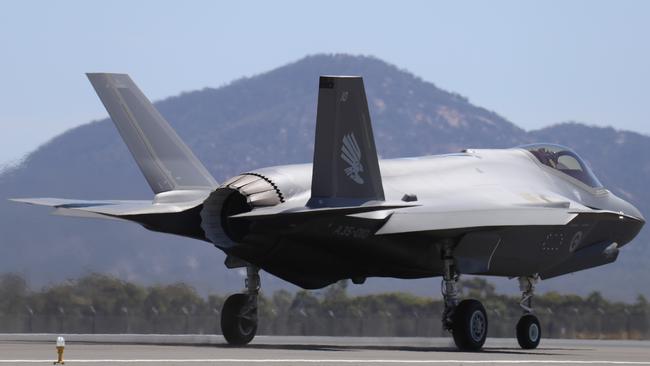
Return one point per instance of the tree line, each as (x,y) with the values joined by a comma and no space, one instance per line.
(98,303)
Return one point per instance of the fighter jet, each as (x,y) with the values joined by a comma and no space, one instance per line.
(530,212)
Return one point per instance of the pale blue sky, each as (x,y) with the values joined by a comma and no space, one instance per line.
(534,62)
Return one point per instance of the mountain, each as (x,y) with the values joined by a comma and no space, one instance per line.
(267,120)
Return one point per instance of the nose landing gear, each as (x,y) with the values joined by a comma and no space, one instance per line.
(239,312)
(467,319)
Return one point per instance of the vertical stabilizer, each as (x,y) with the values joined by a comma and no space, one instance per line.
(166,162)
(346,168)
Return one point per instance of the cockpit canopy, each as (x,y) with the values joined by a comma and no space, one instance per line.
(564,160)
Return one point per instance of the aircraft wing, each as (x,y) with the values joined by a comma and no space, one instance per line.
(360,211)
(435,216)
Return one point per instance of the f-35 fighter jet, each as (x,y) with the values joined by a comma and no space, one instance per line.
(529,212)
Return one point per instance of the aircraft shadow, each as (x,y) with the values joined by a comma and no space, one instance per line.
(343,348)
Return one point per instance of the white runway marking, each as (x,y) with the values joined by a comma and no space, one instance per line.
(340,361)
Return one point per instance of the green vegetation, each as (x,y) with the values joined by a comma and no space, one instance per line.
(103,304)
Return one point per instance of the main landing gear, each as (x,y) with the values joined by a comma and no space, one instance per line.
(529,333)
(239,312)
(466,319)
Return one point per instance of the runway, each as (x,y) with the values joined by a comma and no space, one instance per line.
(211,350)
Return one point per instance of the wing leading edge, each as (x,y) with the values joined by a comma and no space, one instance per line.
(437,217)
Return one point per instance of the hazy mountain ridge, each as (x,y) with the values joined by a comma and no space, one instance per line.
(264,120)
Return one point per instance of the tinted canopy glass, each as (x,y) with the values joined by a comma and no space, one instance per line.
(564,160)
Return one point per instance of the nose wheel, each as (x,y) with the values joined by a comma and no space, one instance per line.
(239,312)
(529,332)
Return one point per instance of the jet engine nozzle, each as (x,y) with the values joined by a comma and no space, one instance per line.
(239,194)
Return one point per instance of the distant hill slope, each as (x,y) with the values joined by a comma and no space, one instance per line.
(266,120)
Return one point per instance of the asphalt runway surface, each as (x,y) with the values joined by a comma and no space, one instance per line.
(270,350)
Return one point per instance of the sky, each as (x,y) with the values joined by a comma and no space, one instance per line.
(534,62)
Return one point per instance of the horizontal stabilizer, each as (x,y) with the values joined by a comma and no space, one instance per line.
(166,162)
(346,168)
(109,209)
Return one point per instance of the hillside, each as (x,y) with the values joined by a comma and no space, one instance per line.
(265,120)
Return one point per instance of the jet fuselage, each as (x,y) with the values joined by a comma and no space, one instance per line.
(511,214)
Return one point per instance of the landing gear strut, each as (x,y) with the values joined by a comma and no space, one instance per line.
(529,333)
(239,312)
(466,319)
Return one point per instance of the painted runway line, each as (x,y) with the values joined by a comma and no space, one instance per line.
(340,361)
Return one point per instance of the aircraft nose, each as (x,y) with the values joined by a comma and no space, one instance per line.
(618,204)
(636,213)
(630,222)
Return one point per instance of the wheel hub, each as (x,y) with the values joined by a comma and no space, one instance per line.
(477,325)
(533,332)
(245,325)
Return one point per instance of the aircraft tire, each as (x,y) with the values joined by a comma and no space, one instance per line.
(238,327)
(469,325)
(529,332)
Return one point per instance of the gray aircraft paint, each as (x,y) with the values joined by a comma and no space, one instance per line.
(164,159)
(351,215)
